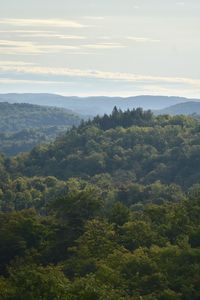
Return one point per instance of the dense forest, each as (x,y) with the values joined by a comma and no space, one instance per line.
(110,210)
(132,144)
(23,126)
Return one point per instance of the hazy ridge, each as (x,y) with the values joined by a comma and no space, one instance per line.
(95,105)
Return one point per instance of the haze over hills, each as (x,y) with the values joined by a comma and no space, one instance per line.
(23,126)
(135,143)
(187,108)
(18,116)
(99,150)
(95,105)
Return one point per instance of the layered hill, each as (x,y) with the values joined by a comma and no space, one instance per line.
(94,105)
(15,117)
(187,108)
(133,145)
(22,126)
(125,225)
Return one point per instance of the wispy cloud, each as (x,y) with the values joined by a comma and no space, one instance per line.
(142,39)
(25,31)
(16,47)
(97,74)
(42,23)
(104,46)
(15,63)
(53,35)
(42,34)
(21,47)
(28,81)
(56,48)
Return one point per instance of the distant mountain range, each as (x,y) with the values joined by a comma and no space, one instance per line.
(92,106)
(187,108)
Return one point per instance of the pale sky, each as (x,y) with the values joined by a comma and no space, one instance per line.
(100,47)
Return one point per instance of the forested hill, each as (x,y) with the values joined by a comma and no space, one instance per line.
(20,116)
(23,126)
(133,145)
(187,108)
(126,228)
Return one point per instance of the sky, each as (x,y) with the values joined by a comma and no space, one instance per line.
(100,47)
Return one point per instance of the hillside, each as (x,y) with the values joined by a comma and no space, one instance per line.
(187,108)
(13,143)
(23,126)
(91,106)
(134,144)
(15,117)
(110,210)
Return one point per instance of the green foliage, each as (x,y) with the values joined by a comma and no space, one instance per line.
(25,140)
(17,117)
(119,214)
(125,225)
(19,232)
(146,150)
(37,282)
(23,126)
(79,204)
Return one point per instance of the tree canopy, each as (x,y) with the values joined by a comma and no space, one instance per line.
(110,210)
